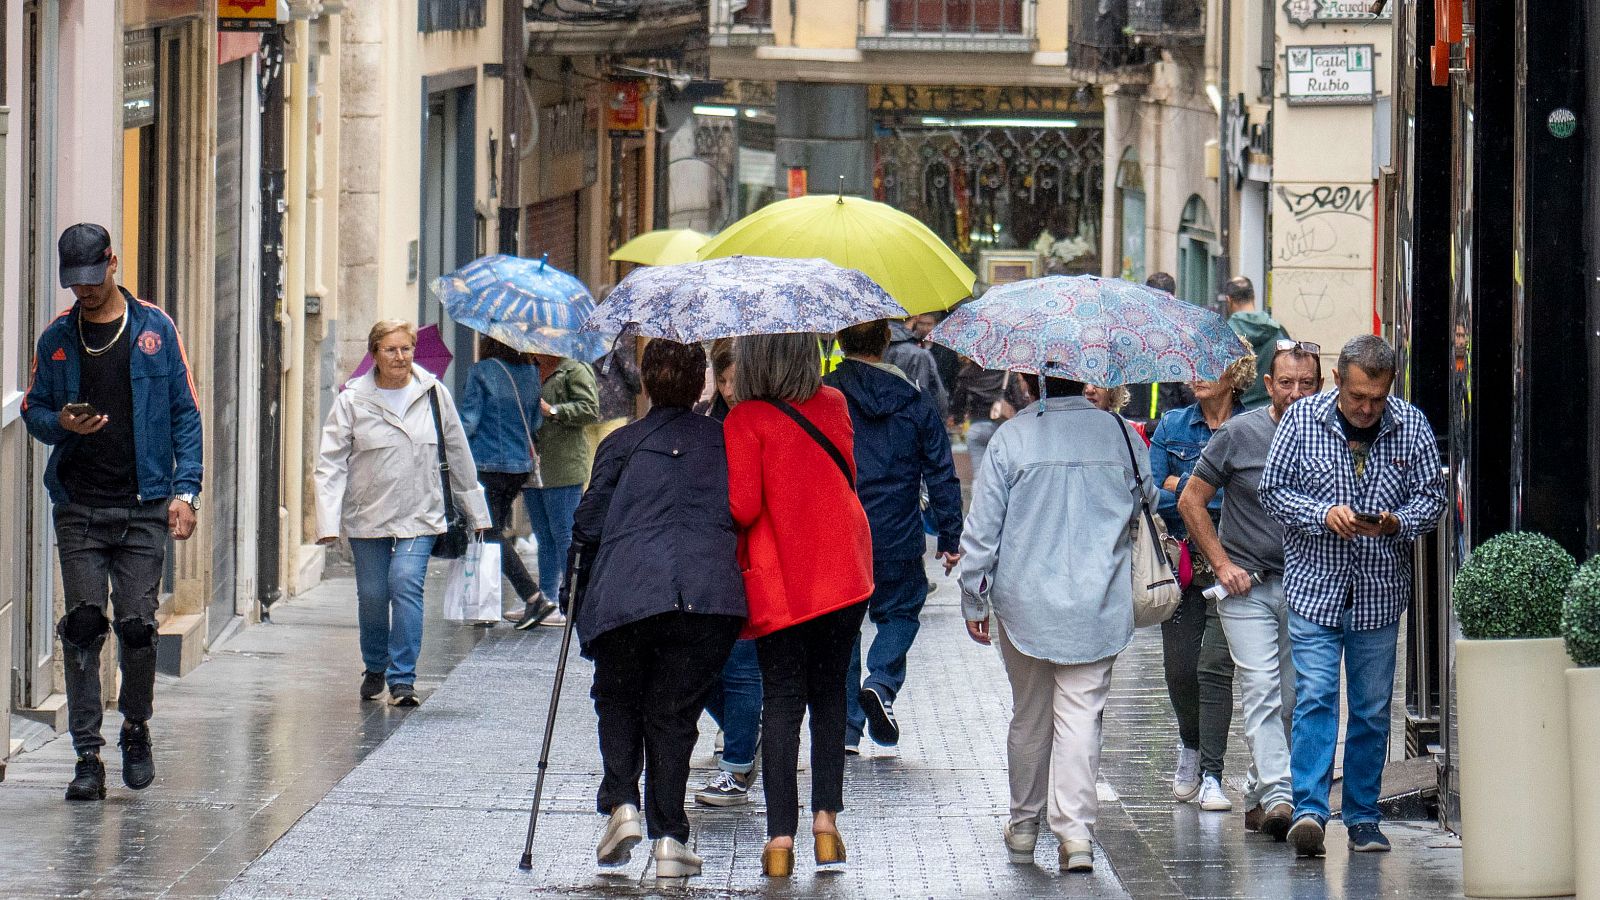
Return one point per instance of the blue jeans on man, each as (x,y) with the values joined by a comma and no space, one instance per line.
(389,581)
(735,704)
(550,512)
(900,587)
(1369,661)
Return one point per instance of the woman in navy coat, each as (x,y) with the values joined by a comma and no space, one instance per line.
(662,606)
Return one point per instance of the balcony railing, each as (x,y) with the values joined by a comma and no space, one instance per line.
(741,23)
(997,26)
(449,15)
(1161,22)
(1097,36)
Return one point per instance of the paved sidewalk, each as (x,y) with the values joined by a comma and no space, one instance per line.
(440,808)
(244,745)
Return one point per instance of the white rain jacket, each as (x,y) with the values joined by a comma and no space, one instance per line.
(378,472)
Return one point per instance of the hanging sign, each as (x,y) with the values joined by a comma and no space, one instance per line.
(1344,12)
(626,107)
(1329,75)
(797,181)
(246,15)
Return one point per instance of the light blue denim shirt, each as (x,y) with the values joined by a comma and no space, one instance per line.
(1046,544)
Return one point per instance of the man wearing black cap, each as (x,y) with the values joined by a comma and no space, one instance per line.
(111,394)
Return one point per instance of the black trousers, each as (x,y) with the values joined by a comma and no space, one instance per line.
(502,490)
(109,558)
(1199,670)
(651,679)
(804,666)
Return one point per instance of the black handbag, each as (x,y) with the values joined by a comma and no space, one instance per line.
(453,543)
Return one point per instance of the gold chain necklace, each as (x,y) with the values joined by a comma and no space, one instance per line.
(122,326)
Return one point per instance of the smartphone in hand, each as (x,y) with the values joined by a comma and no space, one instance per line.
(1368,518)
(79,410)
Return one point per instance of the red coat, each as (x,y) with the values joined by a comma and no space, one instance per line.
(804,545)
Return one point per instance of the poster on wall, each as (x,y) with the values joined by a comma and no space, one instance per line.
(1340,74)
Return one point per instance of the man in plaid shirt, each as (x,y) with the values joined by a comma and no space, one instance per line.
(1353,476)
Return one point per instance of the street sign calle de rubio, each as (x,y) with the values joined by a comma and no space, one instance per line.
(1329,75)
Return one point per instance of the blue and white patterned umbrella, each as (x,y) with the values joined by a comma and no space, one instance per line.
(1102,331)
(523,303)
(739,295)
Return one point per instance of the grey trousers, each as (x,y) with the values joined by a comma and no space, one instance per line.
(110,559)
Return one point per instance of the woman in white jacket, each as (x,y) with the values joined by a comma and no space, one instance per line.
(378,485)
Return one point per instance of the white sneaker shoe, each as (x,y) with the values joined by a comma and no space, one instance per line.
(674,860)
(624,831)
(1212,799)
(1021,838)
(1186,777)
(557,619)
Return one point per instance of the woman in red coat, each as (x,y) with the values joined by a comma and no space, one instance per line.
(806,553)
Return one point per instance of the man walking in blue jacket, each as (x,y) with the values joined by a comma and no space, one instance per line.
(900,445)
(112,396)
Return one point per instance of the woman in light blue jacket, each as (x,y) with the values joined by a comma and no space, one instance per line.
(1046,573)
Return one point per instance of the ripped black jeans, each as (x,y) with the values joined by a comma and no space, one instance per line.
(110,557)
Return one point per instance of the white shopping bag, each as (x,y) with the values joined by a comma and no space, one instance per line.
(472,592)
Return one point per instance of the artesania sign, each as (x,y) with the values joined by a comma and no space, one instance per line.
(1330,75)
(1347,12)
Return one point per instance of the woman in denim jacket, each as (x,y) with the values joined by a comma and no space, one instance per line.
(1199,669)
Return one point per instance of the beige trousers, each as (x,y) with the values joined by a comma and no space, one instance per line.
(1053,747)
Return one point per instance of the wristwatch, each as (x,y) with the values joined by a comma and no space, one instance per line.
(191,499)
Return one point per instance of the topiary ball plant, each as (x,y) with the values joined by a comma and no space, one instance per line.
(1580,615)
(1512,586)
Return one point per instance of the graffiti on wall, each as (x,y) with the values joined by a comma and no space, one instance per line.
(1322,225)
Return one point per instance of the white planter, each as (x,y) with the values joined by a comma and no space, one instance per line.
(1583,737)
(1516,784)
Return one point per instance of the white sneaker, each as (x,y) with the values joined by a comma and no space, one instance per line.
(1212,799)
(1021,838)
(1186,778)
(557,619)
(674,860)
(623,832)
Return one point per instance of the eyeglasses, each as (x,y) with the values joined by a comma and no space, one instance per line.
(1284,344)
(397,351)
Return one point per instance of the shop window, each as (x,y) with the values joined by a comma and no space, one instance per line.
(1197,270)
(1130,217)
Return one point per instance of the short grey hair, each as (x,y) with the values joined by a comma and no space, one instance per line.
(1371,353)
(777,367)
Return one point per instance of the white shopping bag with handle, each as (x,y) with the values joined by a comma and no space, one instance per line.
(472,592)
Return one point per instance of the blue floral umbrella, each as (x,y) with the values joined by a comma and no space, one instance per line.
(1102,331)
(739,295)
(523,303)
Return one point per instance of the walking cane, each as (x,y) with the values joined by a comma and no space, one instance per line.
(574,569)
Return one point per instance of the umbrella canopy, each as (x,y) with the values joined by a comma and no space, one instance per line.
(526,304)
(742,295)
(431,354)
(900,253)
(664,247)
(1102,331)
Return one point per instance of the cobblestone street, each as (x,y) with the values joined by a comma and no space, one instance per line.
(432,803)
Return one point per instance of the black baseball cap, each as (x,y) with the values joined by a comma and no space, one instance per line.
(85,251)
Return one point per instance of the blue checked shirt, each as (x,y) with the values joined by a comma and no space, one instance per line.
(1310,470)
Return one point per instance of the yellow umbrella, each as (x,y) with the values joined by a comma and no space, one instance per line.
(901,254)
(665,247)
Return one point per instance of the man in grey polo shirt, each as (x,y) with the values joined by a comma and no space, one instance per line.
(1248,559)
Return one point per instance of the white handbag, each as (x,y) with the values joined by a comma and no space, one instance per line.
(1156,592)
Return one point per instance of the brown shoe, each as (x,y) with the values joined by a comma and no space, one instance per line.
(1276,822)
(1253,817)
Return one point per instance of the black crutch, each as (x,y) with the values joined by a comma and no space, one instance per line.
(574,571)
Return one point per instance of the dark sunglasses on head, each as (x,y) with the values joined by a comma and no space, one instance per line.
(1302,346)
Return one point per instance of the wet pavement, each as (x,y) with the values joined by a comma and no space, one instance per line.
(364,800)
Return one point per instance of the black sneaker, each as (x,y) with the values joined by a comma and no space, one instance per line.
(1306,836)
(537,611)
(138,760)
(1367,837)
(88,778)
(881,726)
(371,685)
(403,695)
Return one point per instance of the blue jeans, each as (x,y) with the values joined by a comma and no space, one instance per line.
(900,587)
(550,511)
(1369,658)
(978,435)
(389,577)
(735,703)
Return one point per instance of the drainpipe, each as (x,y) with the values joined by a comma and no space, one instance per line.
(294,316)
(269,536)
(1224,179)
(513,59)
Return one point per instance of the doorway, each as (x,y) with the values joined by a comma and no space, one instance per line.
(449,234)
(1197,270)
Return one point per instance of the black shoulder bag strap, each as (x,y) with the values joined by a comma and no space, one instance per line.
(821,439)
(444,461)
